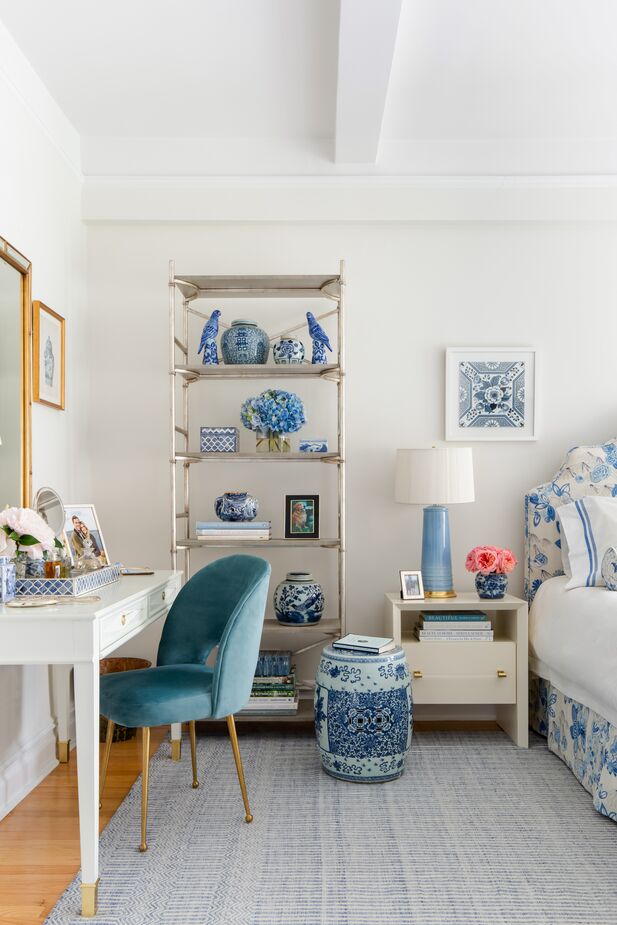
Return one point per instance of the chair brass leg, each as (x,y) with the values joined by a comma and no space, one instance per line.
(107,751)
(231,726)
(193,752)
(145,765)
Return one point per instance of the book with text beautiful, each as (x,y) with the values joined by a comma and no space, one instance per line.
(453,616)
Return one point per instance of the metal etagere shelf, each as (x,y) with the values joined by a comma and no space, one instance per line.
(195,288)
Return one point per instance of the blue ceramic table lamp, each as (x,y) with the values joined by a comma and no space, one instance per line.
(435,478)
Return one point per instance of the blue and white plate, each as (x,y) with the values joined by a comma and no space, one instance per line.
(609,568)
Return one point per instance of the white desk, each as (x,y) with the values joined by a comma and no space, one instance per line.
(78,635)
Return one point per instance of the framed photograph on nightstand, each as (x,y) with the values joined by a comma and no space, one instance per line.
(412,588)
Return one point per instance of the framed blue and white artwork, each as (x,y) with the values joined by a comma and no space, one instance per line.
(491,393)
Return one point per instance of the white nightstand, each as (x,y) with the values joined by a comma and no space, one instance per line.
(469,672)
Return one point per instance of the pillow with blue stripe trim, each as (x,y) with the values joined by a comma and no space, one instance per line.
(588,528)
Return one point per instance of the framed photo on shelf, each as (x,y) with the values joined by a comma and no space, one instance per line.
(302,517)
(48,356)
(491,393)
(412,588)
(83,534)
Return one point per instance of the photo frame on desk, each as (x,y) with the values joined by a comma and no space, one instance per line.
(412,587)
(302,517)
(83,533)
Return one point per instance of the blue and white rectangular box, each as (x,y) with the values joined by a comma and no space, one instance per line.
(219,439)
(58,587)
(313,446)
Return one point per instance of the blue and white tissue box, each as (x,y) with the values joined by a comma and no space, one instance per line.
(219,439)
(313,446)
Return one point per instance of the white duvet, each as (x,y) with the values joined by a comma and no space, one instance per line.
(573,643)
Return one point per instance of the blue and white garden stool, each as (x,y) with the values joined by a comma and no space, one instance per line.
(363,714)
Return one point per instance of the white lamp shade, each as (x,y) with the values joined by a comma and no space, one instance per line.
(435,476)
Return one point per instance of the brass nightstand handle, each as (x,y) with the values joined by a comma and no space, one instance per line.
(163,595)
(502,674)
(417,674)
(123,619)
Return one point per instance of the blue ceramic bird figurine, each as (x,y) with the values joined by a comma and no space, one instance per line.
(320,340)
(208,340)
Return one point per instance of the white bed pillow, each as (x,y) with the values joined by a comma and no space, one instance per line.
(588,528)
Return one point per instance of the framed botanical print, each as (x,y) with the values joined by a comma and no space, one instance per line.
(491,393)
(48,357)
(302,517)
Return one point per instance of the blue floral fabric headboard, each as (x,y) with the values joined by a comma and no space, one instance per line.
(586,470)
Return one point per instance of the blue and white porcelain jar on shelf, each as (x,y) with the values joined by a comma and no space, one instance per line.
(288,350)
(299,600)
(245,343)
(363,714)
(236,506)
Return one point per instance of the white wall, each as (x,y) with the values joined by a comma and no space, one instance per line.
(413,290)
(40,192)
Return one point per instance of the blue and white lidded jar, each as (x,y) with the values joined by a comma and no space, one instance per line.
(288,350)
(299,600)
(236,506)
(491,587)
(245,343)
(7,579)
(363,714)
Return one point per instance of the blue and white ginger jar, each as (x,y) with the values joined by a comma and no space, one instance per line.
(243,343)
(288,350)
(363,714)
(236,506)
(491,587)
(299,600)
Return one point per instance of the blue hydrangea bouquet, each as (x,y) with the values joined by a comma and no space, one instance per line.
(272,415)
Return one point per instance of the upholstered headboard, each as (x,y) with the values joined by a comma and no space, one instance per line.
(586,470)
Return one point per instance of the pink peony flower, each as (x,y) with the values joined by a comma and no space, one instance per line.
(23,521)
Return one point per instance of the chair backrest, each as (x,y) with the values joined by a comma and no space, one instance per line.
(222,600)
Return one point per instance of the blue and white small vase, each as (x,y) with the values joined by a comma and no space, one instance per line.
(7,579)
(245,343)
(299,600)
(609,568)
(35,568)
(236,506)
(288,350)
(363,714)
(491,587)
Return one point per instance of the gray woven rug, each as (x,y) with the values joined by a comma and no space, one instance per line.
(475,832)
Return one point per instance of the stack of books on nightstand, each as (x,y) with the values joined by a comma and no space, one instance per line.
(454,626)
(230,530)
(274,691)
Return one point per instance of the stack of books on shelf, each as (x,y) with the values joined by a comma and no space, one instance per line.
(274,691)
(441,626)
(230,530)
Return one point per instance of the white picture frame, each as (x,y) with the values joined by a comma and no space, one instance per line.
(412,586)
(515,414)
(84,514)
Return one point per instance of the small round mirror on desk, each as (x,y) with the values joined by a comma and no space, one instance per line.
(48,504)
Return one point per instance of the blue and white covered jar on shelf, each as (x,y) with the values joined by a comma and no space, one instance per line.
(363,714)
(245,343)
(288,350)
(236,506)
(299,600)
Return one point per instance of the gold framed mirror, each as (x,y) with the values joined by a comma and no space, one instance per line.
(15,376)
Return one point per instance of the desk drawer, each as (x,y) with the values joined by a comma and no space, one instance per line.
(116,625)
(462,672)
(163,598)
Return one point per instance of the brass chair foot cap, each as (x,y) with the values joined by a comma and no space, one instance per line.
(100,805)
(143,848)
(248,817)
(195,784)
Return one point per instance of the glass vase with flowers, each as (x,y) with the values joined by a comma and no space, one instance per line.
(272,416)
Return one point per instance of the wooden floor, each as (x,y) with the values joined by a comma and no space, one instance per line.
(39,839)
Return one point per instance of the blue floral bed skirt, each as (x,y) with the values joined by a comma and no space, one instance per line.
(584,740)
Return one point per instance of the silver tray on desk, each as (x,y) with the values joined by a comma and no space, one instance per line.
(72,587)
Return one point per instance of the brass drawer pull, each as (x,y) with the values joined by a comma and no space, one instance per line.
(417,674)
(163,595)
(123,619)
(502,674)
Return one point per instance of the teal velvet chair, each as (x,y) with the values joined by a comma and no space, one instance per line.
(222,605)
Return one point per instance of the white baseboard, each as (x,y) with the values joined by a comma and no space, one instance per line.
(23,771)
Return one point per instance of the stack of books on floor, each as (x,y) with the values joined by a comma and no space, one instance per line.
(442,626)
(274,691)
(230,530)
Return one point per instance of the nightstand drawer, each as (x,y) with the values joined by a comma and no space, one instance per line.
(462,672)
(117,625)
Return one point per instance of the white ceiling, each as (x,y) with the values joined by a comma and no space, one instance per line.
(251,86)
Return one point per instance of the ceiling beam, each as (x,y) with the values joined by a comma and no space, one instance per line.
(367,36)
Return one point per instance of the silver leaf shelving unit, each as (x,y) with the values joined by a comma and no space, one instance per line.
(192,289)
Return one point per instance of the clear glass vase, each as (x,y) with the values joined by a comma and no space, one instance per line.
(269,441)
(21,560)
